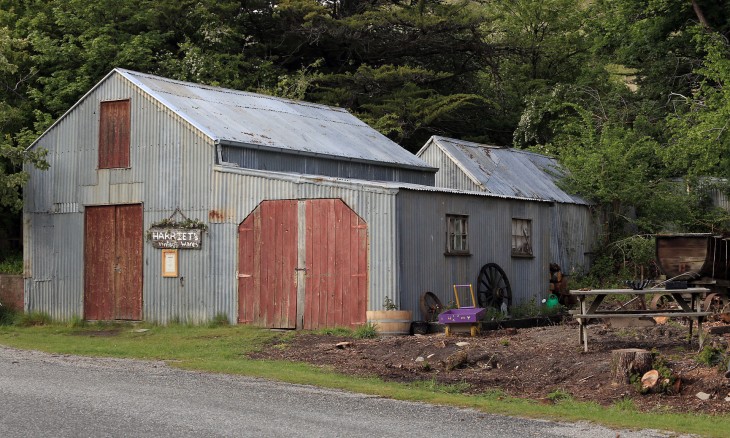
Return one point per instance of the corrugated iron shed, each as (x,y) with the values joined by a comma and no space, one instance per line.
(503,171)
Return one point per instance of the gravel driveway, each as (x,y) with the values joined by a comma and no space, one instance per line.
(57,395)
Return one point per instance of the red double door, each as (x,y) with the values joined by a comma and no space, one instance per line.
(113,239)
(302,264)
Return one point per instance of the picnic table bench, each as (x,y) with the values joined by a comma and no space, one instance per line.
(687,300)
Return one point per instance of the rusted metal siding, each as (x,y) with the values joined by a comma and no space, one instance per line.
(267,290)
(114,133)
(422,242)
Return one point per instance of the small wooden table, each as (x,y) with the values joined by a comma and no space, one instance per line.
(688,308)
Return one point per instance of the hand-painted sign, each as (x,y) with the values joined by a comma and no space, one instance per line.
(176,238)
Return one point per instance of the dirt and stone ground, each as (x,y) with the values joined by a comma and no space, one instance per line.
(535,363)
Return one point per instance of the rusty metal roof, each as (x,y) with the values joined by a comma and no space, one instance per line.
(506,171)
(256,120)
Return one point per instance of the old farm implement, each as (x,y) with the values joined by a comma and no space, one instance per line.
(696,260)
(463,316)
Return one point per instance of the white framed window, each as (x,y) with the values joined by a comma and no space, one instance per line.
(457,234)
(522,237)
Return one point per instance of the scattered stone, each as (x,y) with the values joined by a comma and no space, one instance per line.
(140,330)
(343,345)
(703,396)
(462,344)
(727,399)
(420,359)
(430,356)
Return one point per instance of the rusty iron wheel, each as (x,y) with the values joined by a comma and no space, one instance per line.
(661,301)
(430,306)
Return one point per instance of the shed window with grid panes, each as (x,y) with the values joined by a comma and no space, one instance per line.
(114,134)
(522,237)
(457,234)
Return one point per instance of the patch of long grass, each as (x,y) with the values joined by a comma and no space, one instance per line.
(33,319)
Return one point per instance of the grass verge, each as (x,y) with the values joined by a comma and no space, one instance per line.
(224,349)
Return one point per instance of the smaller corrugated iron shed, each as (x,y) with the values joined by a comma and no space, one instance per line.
(505,171)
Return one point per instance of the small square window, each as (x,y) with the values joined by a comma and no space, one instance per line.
(457,234)
(522,237)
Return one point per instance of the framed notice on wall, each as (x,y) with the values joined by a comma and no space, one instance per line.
(169,263)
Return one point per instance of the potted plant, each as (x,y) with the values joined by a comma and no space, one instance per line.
(390,321)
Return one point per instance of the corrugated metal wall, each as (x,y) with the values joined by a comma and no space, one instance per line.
(159,178)
(449,174)
(237,192)
(572,237)
(422,241)
(279,162)
(573,228)
(173,167)
(719,198)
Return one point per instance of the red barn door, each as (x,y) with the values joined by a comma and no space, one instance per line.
(113,262)
(336,261)
(302,264)
(267,261)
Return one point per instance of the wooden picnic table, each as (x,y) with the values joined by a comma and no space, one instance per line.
(688,302)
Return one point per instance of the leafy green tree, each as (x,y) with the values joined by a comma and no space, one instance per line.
(700,127)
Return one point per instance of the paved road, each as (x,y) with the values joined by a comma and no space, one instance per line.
(69,396)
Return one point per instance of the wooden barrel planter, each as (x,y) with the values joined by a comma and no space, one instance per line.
(390,322)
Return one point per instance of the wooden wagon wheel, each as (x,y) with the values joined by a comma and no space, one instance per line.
(493,289)
(430,306)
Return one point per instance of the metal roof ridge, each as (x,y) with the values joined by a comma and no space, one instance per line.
(389,186)
(233,91)
(129,75)
(300,178)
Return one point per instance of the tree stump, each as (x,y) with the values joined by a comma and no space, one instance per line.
(649,381)
(629,361)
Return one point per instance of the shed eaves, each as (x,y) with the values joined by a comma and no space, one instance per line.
(242,118)
(507,171)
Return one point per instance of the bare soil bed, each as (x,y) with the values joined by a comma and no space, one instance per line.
(534,363)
